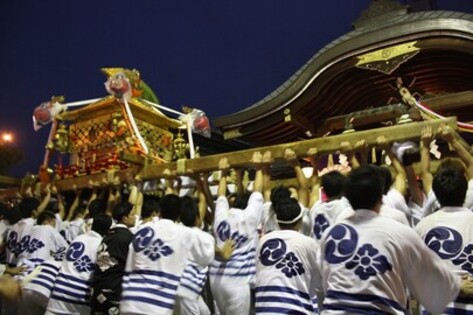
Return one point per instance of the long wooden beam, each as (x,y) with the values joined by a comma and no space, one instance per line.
(324,145)
(452,101)
(102,179)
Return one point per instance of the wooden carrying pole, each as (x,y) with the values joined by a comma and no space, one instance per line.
(149,170)
(324,145)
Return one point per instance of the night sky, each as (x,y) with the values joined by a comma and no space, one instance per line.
(219,56)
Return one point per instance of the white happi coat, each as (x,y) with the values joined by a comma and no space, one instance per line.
(369,262)
(449,233)
(287,274)
(324,214)
(156,260)
(18,240)
(45,242)
(240,226)
(71,292)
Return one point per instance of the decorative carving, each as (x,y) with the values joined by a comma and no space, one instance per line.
(388,59)
(180,147)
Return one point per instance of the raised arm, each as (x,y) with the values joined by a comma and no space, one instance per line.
(257,161)
(60,203)
(347,148)
(314,179)
(224,167)
(74,205)
(414,189)
(267,186)
(401,176)
(448,134)
(47,197)
(303,189)
(425,174)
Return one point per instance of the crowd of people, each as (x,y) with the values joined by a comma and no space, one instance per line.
(374,240)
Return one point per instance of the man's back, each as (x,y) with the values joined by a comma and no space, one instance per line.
(369,262)
(71,292)
(287,273)
(158,255)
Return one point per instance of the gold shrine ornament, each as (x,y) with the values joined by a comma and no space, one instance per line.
(388,59)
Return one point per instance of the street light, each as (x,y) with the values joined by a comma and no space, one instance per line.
(7,137)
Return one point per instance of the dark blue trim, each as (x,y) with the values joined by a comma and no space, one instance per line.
(153,273)
(161,284)
(191,288)
(50,272)
(50,266)
(285,300)
(41,283)
(72,294)
(455,311)
(72,278)
(364,298)
(70,285)
(197,282)
(355,309)
(156,292)
(194,274)
(464,300)
(273,288)
(45,277)
(278,310)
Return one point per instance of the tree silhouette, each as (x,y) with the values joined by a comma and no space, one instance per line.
(9,155)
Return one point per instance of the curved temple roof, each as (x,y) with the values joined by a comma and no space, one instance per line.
(330,84)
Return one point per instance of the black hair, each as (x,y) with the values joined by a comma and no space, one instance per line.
(364,187)
(101,224)
(53,206)
(189,211)
(241,200)
(44,216)
(287,209)
(170,207)
(121,210)
(27,206)
(387,177)
(96,207)
(278,193)
(150,206)
(13,215)
(450,186)
(452,163)
(333,183)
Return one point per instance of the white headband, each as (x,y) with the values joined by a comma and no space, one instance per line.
(293,220)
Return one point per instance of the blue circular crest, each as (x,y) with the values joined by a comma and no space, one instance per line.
(272,251)
(446,242)
(142,239)
(75,251)
(223,231)
(340,243)
(320,225)
(12,240)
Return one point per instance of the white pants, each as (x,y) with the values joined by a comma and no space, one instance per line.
(193,306)
(231,298)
